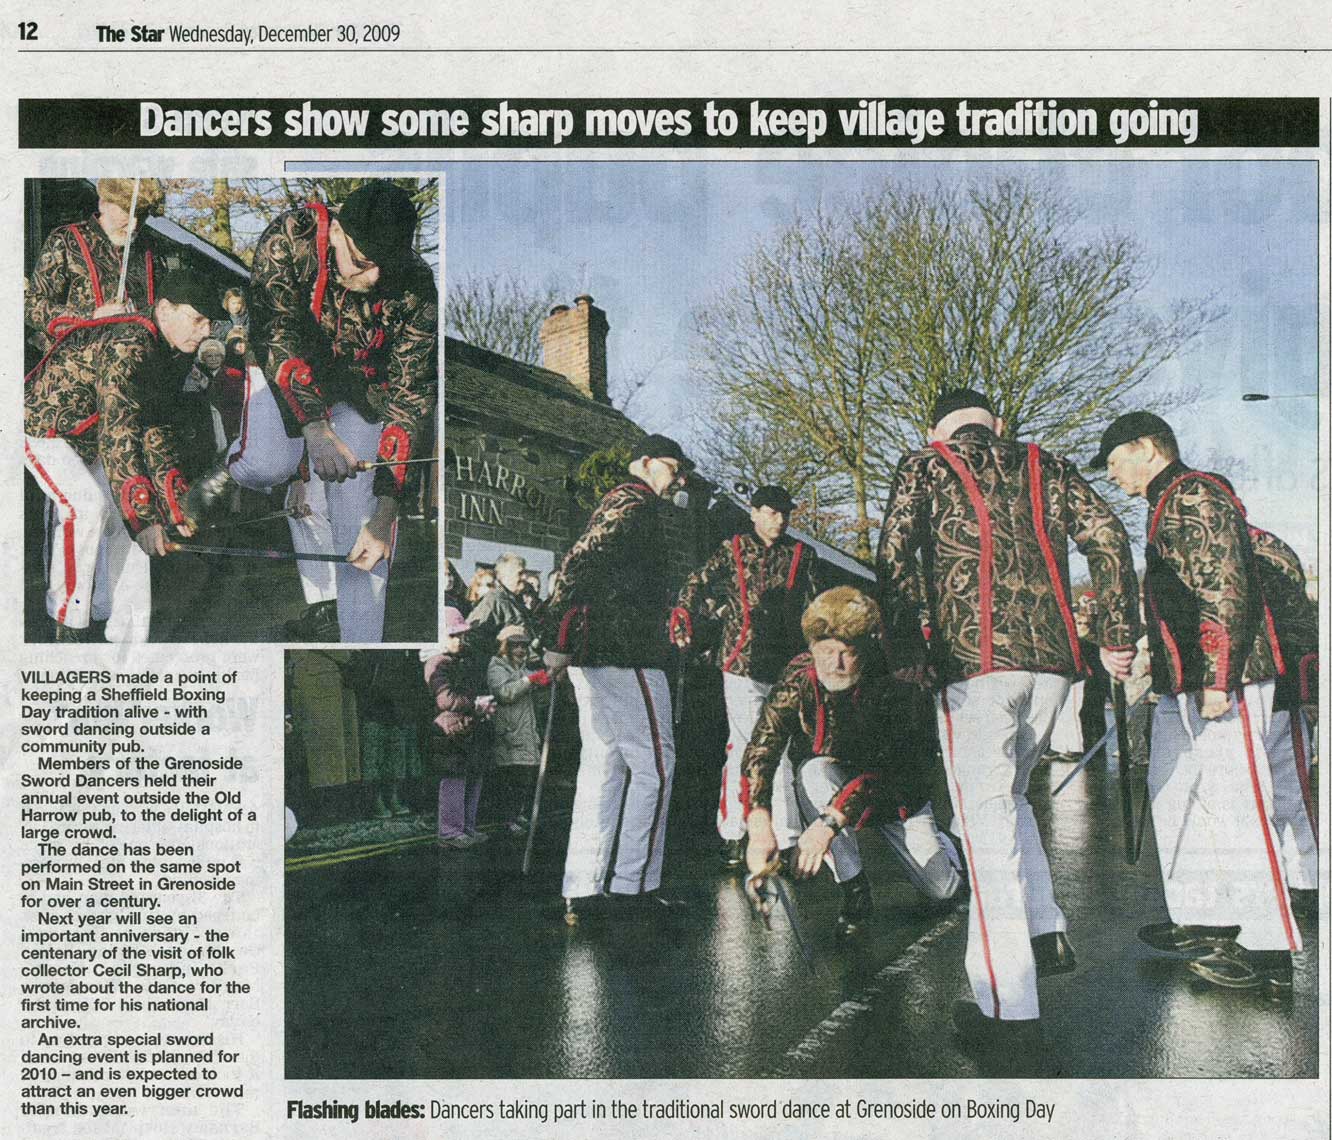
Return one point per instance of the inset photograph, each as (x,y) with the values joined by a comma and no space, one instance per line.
(230,409)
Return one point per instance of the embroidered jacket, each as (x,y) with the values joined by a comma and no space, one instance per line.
(752,596)
(108,388)
(611,598)
(322,343)
(858,727)
(1207,622)
(990,521)
(1293,616)
(78,270)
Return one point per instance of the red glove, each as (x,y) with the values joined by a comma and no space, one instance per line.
(540,677)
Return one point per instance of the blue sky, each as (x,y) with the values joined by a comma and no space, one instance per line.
(653,241)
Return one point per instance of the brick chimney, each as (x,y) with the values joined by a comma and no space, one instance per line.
(573,343)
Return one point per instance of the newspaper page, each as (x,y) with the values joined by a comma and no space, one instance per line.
(709,571)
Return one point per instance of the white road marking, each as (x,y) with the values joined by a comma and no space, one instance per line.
(808,1049)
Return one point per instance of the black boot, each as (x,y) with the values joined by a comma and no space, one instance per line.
(67,633)
(1175,939)
(989,1034)
(732,854)
(1054,954)
(857,906)
(208,496)
(319,622)
(1304,902)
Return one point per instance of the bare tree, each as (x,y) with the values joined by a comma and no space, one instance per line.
(233,213)
(842,329)
(501,312)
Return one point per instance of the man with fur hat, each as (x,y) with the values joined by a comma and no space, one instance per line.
(344,317)
(606,621)
(835,717)
(101,418)
(748,598)
(988,522)
(78,269)
(1215,658)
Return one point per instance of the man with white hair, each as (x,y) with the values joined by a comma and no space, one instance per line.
(78,268)
(834,716)
(501,606)
(989,521)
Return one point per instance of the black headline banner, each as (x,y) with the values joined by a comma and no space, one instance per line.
(1023,121)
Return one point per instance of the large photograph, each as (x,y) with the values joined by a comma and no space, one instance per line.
(879,639)
(229,408)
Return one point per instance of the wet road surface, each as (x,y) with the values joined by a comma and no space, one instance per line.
(437,964)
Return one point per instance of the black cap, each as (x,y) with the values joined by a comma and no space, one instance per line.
(1133,425)
(774,496)
(955,399)
(189,287)
(380,218)
(662,447)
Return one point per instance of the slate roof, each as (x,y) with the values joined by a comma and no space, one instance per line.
(485,387)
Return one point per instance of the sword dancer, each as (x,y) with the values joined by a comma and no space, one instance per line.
(989,521)
(1214,662)
(749,596)
(101,442)
(834,715)
(606,623)
(344,315)
(78,268)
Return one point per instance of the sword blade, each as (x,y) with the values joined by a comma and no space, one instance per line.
(252,552)
(1090,754)
(1125,766)
(540,783)
(789,907)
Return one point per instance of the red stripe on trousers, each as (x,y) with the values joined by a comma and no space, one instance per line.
(661,774)
(971,859)
(71,571)
(1273,865)
(245,421)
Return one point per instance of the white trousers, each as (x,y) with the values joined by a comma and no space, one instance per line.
(1212,810)
(617,837)
(95,570)
(1287,744)
(744,701)
(925,853)
(264,456)
(994,729)
(1067,734)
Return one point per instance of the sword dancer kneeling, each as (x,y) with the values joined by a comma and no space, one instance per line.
(832,713)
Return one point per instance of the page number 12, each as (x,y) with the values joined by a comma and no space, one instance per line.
(27,29)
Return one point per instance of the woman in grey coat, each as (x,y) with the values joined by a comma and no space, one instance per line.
(516,743)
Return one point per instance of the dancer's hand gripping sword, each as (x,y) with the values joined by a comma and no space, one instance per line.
(765,888)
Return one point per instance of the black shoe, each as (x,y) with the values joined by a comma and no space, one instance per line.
(68,634)
(1304,903)
(649,902)
(1176,939)
(319,622)
(990,1034)
(1054,954)
(857,907)
(207,498)
(732,854)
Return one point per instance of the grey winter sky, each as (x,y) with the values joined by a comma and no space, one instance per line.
(654,241)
